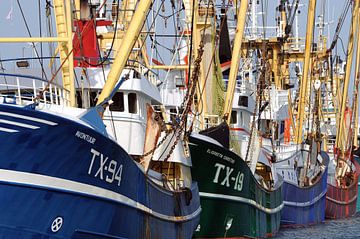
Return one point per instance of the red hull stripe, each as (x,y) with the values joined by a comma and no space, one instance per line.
(240,129)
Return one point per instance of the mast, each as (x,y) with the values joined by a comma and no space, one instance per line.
(304,80)
(356,84)
(253,20)
(297,41)
(63,18)
(125,48)
(77,9)
(235,59)
(340,137)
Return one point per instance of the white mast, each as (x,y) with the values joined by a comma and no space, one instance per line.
(253,20)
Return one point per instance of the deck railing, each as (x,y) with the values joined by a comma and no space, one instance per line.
(25,88)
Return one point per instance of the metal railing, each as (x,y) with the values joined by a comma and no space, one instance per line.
(25,88)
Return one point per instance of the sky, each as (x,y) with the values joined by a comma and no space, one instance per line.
(15,27)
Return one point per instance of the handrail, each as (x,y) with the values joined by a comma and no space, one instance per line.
(55,94)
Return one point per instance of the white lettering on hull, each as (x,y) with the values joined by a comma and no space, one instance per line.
(85,137)
(112,171)
(226,178)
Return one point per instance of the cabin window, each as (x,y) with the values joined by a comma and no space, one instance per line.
(132,103)
(118,102)
(79,99)
(137,75)
(233,119)
(243,101)
(282,127)
(179,81)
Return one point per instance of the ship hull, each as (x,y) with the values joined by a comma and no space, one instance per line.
(60,178)
(305,205)
(233,206)
(341,201)
(358,199)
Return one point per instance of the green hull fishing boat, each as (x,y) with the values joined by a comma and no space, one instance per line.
(234,203)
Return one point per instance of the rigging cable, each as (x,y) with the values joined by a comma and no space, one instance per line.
(33,44)
(40,32)
(3,70)
(339,25)
(191,41)
(49,29)
(290,19)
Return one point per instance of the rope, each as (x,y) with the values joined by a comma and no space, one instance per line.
(187,102)
(52,78)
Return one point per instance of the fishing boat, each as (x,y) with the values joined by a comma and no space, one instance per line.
(343,177)
(63,174)
(304,200)
(302,165)
(243,184)
(229,182)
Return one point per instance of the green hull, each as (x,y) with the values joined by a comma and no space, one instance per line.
(233,203)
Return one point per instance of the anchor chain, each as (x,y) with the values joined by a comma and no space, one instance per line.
(187,103)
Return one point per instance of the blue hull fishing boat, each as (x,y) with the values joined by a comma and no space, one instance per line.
(63,173)
(63,178)
(305,205)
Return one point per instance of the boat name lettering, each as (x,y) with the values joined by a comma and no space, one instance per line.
(108,168)
(219,155)
(227,179)
(85,137)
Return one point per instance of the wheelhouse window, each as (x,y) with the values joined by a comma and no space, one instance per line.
(118,104)
(132,103)
(233,119)
(243,101)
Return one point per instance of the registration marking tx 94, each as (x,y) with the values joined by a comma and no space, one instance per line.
(110,169)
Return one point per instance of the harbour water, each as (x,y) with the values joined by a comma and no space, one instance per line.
(330,229)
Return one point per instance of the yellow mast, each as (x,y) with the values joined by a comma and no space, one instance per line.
(235,59)
(357,79)
(304,80)
(77,9)
(340,144)
(63,18)
(125,48)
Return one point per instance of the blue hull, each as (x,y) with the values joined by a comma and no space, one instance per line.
(305,205)
(62,179)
